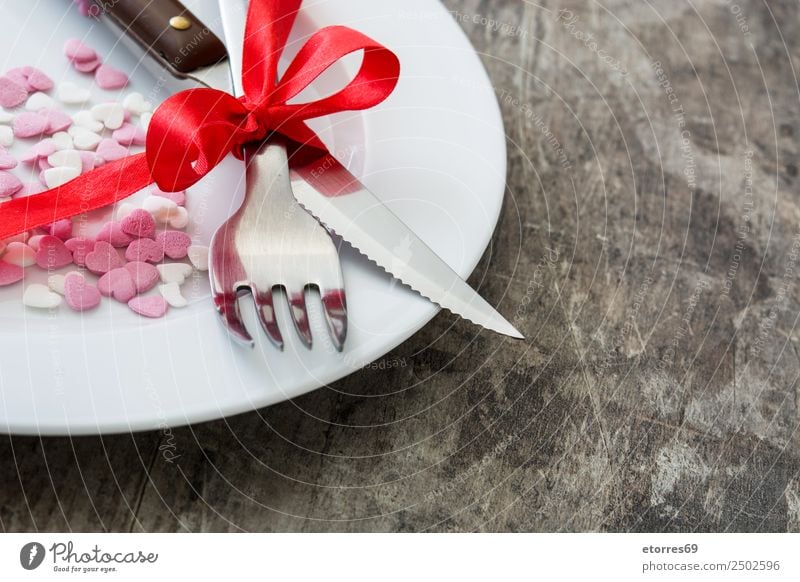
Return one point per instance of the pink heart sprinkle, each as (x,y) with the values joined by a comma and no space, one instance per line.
(178,198)
(145,276)
(19,76)
(56,120)
(29,124)
(43,164)
(78,51)
(80,295)
(52,253)
(153,306)
(9,185)
(118,284)
(175,243)
(112,233)
(109,78)
(10,274)
(110,150)
(89,161)
(38,81)
(42,149)
(129,135)
(144,249)
(7,161)
(80,247)
(103,258)
(60,228)
(88,66)
(11,93)
(139,223)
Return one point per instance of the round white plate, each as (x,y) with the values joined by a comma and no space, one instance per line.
(434,151)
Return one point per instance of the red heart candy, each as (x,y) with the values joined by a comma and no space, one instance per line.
(118,284)
(103,258)
(52,253)
(145,250)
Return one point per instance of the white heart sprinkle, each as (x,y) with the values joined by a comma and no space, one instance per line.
(6,136)
(179,218)
(112,115)
(162,209)
(85,120)
(20,254)
(40,296)
(144,120)
(198,255)
(85,140)
(123,210)
(172,294)
(56,282)
(136,104)
(39,101)
(62,140)
(174,272)
(34,241)
(55,177)
(5,116)
(68,158)
(70,94)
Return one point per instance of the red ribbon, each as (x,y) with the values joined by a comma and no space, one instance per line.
(192,131)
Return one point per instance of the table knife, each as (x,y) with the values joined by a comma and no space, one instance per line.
(324,187)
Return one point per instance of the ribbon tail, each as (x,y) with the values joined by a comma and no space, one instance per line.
(96,189)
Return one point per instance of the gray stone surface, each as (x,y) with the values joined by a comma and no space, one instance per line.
(645,249)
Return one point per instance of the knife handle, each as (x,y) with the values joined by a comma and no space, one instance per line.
(167,29)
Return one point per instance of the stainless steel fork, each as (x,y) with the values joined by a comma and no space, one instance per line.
(271,243)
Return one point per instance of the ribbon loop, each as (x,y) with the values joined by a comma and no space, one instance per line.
(192,131)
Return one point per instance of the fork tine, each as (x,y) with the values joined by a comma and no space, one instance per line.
(334,306)
(297,307)
(265,308)
(228,308)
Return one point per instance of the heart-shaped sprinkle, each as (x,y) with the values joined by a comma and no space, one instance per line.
(112,233)
(38,80)
(80,295)
(109,78)
(85,140)
(52,253)
(62,140)
(56,120)
(19,76)
(78,51)
(139,223)
(129,135)
(88,66)
(145,276)
(34,241)
(160,208)
(6,116)
(55,177)
(42,149)
(179,218)
(69,158)
(110,150)
(179,198)
(80,247)
(19,254)
(175,243)
(174,272)
(153,306)
(56,283)
(198,256)
(29,124)
(111,115)
(9,184)
(11,93)
(145,250)
(7,161)
(86,120)
(70,94)
(60,228)
(39,101)
(41,297)
(43,164)
(118,284)
(136,104)
(90,161)
(123,210)
(103,258)
(6,136)
(10,274)
(172,295)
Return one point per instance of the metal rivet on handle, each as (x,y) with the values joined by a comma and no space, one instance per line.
(180,23)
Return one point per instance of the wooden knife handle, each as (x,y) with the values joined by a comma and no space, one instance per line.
(167,29)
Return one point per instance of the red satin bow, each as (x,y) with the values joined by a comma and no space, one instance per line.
(192,131)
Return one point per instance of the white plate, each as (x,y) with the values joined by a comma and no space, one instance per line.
(434,151)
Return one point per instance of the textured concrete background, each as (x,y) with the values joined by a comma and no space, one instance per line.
(648,249)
